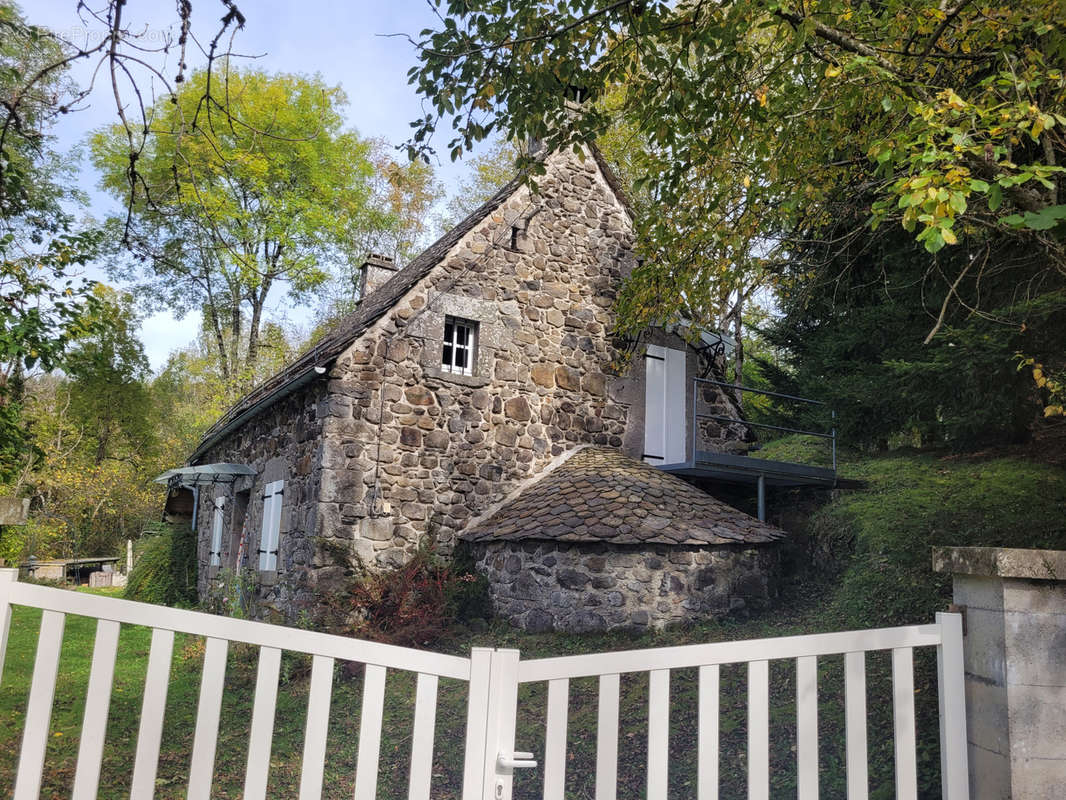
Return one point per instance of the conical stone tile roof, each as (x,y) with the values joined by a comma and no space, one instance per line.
(601,495)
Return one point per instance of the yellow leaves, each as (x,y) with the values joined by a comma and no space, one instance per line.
(951,100)
(1056,390)
(948,236)
(760,95)
(747,181)
(832,71)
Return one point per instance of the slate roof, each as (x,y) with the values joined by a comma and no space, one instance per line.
(602,495)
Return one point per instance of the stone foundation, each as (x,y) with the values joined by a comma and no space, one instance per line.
(543,586)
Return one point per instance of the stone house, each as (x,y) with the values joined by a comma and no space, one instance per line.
(457,381)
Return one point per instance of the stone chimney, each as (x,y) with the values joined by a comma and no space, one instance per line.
(376,270)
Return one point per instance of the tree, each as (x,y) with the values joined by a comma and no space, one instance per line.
(129,55)
(108,372)
(852,332)
(270,196)
(488,171)
(405,193)
(96,427)
(764,119)
(42,302)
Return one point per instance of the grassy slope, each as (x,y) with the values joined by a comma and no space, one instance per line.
(913,502)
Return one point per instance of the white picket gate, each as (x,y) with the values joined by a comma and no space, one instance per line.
(493,677)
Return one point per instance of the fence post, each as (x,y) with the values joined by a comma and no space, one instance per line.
(7,581)
(951,687)
(477,714)
(503,709)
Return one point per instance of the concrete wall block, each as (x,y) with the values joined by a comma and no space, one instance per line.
(1033,597)
(978,591)
(1036,644)
(1038,724)
(985,645)
(990,730)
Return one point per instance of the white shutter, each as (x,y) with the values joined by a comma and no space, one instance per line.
(273,496)
(664,405)
(655,405)
(216,532)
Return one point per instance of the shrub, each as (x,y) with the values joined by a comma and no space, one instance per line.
(231,593)
(413,605)
(164,570)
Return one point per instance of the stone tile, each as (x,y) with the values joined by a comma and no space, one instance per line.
(600,494)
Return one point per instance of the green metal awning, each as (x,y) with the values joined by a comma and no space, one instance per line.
(204,474)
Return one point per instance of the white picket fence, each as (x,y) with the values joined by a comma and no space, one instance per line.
(493,677)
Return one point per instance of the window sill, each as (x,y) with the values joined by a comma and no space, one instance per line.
(268,577)
(455,377)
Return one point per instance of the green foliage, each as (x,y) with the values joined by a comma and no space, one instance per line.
(108,372)
(488,171)
(758,122)
(855,330)
(272,194)
(43,305)
(916,502)
(232,592)
(164,567)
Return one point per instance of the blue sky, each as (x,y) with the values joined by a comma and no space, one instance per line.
(343,41)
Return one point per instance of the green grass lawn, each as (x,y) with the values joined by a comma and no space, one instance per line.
(871,568)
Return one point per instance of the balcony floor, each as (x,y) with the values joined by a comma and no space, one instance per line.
(745,469)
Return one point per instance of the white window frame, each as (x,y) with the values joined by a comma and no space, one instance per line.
(270,534)
(218,516)
(448,360)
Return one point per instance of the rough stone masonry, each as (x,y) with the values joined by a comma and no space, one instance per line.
(387,449)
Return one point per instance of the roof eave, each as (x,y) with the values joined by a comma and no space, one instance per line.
(215,436)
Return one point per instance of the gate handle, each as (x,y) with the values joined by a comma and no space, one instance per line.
(515,761)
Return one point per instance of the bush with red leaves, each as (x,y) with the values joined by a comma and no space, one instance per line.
(413,605)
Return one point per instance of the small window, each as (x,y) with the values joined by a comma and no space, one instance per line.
(520,237)
(460,346)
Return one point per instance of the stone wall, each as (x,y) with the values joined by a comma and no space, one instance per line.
(543,586)
(281,443)
(418,451)
(413,451)
(717,435)
(389,450)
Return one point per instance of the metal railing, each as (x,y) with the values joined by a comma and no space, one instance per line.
(696,415)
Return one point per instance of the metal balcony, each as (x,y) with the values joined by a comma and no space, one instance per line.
(705,462)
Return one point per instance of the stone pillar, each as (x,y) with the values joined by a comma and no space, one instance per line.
(1014,603)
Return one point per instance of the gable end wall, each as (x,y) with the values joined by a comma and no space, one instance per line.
(423,452)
